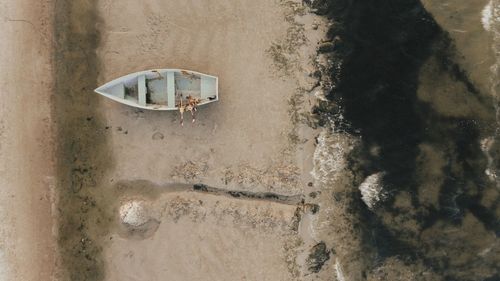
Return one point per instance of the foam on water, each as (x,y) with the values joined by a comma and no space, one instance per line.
(491,22)
(338,271)
(330,157)
(372,190)
(487,16)
(486,145)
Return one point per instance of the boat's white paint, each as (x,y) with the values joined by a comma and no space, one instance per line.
(129,80)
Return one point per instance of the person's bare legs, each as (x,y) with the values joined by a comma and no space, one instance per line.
(181,111)
(190,108)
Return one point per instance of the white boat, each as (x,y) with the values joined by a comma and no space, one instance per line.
(161,89)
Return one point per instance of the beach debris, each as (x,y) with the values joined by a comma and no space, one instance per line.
(190,171)
(326,47)
(318,255)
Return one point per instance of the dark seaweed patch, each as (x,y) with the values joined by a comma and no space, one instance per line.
(318,255)
(249,195)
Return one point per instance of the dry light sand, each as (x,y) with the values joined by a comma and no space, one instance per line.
(26,146)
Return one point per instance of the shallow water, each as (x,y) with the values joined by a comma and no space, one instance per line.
(416,84)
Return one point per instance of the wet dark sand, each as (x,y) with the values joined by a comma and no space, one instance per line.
(82,152)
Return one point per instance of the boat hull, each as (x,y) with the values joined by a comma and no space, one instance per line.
(161,89)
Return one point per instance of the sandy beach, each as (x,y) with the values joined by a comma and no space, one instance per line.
(27,167)
(249,141)
(110,188)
